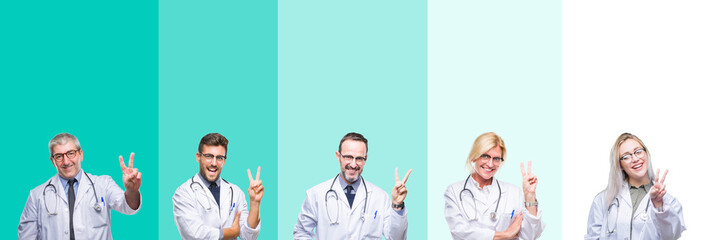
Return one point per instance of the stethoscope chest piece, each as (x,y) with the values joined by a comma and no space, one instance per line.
(493,216)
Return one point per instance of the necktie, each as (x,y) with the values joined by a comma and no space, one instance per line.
(349,195)
(71,203)
(214,189)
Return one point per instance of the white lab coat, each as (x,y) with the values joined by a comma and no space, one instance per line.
(36,223)
(668,224)
(483,227)
(380,219)
(196,222)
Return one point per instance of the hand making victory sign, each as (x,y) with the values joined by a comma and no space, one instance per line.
(529,182)
(131,177)
(255,196)
(399,192)
(658,190)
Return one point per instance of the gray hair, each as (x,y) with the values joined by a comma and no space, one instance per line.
(62,138)
(617,176)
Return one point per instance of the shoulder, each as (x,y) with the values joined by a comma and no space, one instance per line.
(375,189)
(509,187)
(455,188)
(185,185)
(321,186)
(97,179)
(235,188)
(39,189)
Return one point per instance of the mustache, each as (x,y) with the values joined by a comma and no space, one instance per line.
(348,167)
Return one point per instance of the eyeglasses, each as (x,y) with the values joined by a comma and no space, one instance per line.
(639,153)
(348,158)
(210,157)
(71,154)
(486,157)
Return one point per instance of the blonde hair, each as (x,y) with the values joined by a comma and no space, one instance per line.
(617,175)
(482,144)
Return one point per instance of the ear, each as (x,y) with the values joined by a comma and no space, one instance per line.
(80,155)
(197,157)
(338,157)
(52,161)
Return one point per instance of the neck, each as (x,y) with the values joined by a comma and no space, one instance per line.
(481,181)
(640,181)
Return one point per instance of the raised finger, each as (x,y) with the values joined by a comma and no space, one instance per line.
(521,165)
(121,163)
(663,177)
(657,175)
(258,173)
(250,177)
(397,178)
(404,180)
(131,160)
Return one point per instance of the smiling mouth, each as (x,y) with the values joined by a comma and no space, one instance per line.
(489,170)
(212,170)
(637,166)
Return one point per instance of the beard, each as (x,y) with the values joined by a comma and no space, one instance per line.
(347,177)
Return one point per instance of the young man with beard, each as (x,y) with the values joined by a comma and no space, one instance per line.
(349,207)
(208,207)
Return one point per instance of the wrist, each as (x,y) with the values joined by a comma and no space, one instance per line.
(530,197)
(398,206)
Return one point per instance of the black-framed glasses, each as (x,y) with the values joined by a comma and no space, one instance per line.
(639,153)
(71,154)
(209,157)
(486,157)
(348,158)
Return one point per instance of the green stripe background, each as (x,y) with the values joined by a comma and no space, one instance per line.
(284,81)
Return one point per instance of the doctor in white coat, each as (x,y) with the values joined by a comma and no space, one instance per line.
(208,207)
(349,207)
(631,189)
(48,213)
(482,207)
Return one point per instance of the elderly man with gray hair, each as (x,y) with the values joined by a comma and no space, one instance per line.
(74,204)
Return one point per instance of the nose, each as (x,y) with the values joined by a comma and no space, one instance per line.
(491,163)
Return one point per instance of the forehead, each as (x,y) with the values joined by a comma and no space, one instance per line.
(495,151)
(59,148)
(629,145)
(353,146)
(215,150)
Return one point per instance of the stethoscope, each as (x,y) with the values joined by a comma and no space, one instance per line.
(204,195)
(335,196)
(97,206)
(612,229)
(493,215)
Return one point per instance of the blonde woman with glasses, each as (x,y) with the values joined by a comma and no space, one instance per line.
(635,204)
(481,207)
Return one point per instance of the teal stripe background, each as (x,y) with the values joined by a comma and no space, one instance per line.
(495,66)
(218,73)
(284,81)
(345,67)
(85,68)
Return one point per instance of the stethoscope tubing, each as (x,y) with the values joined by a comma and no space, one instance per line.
(97,206)
(616,219)
(209,206)
(493,215)
(336,196)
